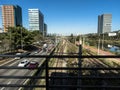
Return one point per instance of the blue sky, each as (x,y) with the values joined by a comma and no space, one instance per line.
(70,16)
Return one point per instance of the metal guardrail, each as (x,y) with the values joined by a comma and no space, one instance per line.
(79,84)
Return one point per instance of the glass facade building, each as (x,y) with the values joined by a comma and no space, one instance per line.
(104,23)
(36,20)
(45,29)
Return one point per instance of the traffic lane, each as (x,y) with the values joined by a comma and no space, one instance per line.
(15,63)
(12,63)
(11,72)
(20,81)
(25,72)
(17,73)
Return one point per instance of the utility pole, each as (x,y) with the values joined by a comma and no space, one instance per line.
(80,64)
(98,52)
(21,39)
(103,42)
(10,42)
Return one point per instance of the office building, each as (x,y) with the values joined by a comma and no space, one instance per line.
(104,23)
(45,29)
(36,20)
(18,14)
(11,16)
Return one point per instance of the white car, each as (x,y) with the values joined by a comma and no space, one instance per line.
(23,63)
(17,57)
(36,52)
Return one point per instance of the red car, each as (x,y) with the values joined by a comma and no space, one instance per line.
(33,65)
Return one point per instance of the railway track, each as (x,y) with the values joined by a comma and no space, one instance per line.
(98,63)
(59,62)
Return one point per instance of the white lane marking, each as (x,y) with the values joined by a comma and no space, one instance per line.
(2,88)
(9,82)
(24,83)
(13,63)
(7,62)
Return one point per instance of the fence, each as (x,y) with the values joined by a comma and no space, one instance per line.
(78,81)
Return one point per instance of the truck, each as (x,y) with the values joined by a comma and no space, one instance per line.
(45,47)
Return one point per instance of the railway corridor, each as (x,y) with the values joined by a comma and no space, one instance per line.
(60,62)
(59,76)
(100,63)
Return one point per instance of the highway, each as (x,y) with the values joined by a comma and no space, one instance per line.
(18,72)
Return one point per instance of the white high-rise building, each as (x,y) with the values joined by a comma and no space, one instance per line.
(36,20)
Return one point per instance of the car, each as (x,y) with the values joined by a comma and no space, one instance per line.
(33,65)
(23,63)
(36,52)
(17,57)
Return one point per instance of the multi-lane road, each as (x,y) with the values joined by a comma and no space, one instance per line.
(18,72)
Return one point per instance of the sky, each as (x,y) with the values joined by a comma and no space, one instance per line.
(70,16)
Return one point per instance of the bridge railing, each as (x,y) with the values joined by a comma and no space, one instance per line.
(100,79)
(72,79)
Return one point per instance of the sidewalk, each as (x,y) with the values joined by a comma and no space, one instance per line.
(101,52)
(95,50)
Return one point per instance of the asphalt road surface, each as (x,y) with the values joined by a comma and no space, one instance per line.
(17,72)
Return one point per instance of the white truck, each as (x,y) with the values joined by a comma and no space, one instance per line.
(45,47)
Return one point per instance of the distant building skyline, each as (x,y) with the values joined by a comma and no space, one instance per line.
(36,19)
(11,16)
(104,23)
(61,18)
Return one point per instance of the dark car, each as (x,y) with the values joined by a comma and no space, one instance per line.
(33,65)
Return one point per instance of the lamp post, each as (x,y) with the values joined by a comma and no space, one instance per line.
(10,42)
(98,45)
(9,28)
(21,39)
(79,64)
(103,42)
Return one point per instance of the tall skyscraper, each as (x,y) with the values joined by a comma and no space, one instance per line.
(11,16)
(45,29)
(36,20)
(18,13)
(104,23)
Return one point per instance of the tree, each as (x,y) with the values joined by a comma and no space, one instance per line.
(77,38)
(71,38)
(37,35)
(19,36)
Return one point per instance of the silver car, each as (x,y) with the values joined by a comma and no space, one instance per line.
(23,63)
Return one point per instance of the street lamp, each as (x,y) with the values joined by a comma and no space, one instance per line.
(98,45)
(103,42)
(21,39)
(98,52)
(10,41)
(9,30)
(80,62)
(10,38)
